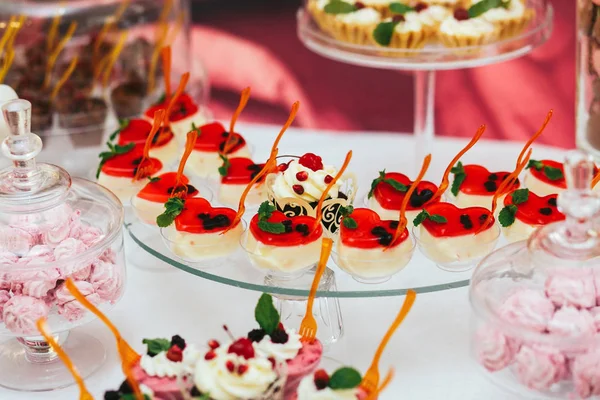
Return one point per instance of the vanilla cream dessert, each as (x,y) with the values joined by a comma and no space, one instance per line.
(164,146)
(545,177)
(185,114)
(387,214)
(236,176)
(231,194)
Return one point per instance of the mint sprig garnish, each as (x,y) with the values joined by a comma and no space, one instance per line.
(506,217)
(554,174)
(339,7)
(265,211)
(173,207)
(535,164)
(114,150)
(156,346)
(123,123)
(154,178)
(392,182)
(266,314)
(347,220)
(344,378)
(399,8)
(484,6)
(384,31)
(459,178)
(423,215)
(223,169)
(520,196)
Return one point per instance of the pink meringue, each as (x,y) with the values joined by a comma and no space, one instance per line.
(540,367)
(494,350)
(527,308)
(596,315)
(571,322)
(107,280)
(4,297)
(21,313)
(39,254)
(7,258)
(39,283)
(69,307)
(69,248)
(90,235)
(586,374)
(63,295)
(572,290)
(109,256)
(15,240)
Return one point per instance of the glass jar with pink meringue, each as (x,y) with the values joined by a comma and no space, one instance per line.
(52,228)
(536,303)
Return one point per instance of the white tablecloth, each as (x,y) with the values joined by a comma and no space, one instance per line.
(430,351)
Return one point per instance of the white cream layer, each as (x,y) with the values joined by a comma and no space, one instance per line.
(205,164)
(203,246)
(373,263)
(308,391)
(230,194)
(123,187)
(539,187)
(519,230)
(147,210)
(392,215)
(431,17)
(470,27)
(168,153)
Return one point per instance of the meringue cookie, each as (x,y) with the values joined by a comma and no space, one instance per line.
(15,240)
(4,297)
(107,280)
(586,374)
(539,367)
(6,258)
(577,291)
(69,307)
(494,350)
(527,308)
(39,254)
(37,284)
(22,312)
(69,248)
(569,321)
(90,235)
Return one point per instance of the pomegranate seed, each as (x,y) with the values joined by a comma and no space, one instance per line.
(420,7)
(210,355)
(328,179)
(213,344)
(282,167)
(242,368)
(460,14)
(302,176)
(298,189)
(230,366)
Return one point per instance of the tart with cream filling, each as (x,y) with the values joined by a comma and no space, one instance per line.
(430,15)
(401,33)
(511,19)
(466,27)
(164,146)
(349,21)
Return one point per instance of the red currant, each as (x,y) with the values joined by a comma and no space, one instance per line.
(242,368)
(420,7)
(461,14)
(230,366)
(210,355)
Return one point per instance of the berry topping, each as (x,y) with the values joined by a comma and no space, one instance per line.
(175,354)
(230,366)
(460,14)
(327,179)
(490,186)
(493,177)
(303,229)
(398,18)
(359,5)
(378,231)
(189,189)
(213,344)
(546,211)
(210,355)
(218,221)
(321,379)
(552,201)
(243,348)
(393,224)
(311,161)
(256,335)
(242,368)
(466,222)
(302,176)
(386,240)
(418,199)
(420,7)
(299,189)
(112,395)
(178,341)
(482,218)
(279,336)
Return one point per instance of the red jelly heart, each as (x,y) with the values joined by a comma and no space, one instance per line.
(198,216)
(537,210)
(184,107)
(541,175)
(298,232)
(160,190)
(480,181)
(213,136)
(371,232)
(460,221)
(391,199)
(137,131)
(241,171)
(126,165)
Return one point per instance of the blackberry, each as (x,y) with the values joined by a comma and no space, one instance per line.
(493,177)
(490,186)
(552,202)
(178,341)
(386,240)
(466,222)
(287,222)
(256,335)
(279,336)
(417,200)
(125,388)
(112,395)
(379,231)
(545,211)
(204,216)
(394,225)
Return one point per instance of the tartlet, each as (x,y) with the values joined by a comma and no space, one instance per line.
(399,32)
(348,21)
(462,30)
(510,20)
(430,16)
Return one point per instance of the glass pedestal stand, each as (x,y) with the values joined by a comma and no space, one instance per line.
(426,61)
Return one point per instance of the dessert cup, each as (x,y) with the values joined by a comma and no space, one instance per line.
(306,362)
(128,98)
(537,178)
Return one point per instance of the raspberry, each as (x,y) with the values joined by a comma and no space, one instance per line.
(311,161)
(178,341)
(213,344)
(175,354)
(210,355)
(302,176)
(298,189)
(321,379)
(460,14)
(242,347)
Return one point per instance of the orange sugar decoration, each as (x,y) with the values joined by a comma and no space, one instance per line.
(108,24)
(270,165)
(162,31)
(386,381)
(42,326)
(113,56)
(445,179)
(165,54)
(534,137)
(413,187)
(229,143)
(176,29)
(7,34)
(64,78)
(53,31)
(10,51)
(128,355)
(596,179)
(325,193)
(159,117)
(17,26)
(190,142)
(182,83)
(56,52)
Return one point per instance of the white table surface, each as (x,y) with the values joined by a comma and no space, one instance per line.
(430,351)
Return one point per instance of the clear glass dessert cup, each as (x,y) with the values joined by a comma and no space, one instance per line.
(456,254)
(282,262)
(206,251)
(373,266)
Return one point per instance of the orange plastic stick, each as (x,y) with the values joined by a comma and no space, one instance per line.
(269,166)
(162,31)
(108,24)
(53,31)
(596,179)
(445,181)
(189,146)
(176,29)
(403,222)
(10,26)
(15,32)
(165,54)
(57,50)
(112,59)
(158,120)
(325,193)
(42,326)
(534,137)
(229,143)
(182,82)
(64,78)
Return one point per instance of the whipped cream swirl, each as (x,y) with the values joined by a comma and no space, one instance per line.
(313,186)
(469,27)
(308,391)
(160,366)
(280,351)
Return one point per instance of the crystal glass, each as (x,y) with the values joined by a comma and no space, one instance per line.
(535,303)
(52,228)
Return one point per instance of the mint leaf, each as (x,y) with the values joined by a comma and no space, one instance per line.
(459,178)
(345,211)
(401,187)
(156,346)
(115,150)
(535,164)
(350,222)
(132,396)
(223,169)
(383,32)
(376,182)
(266,314)
(520,196)
(339,7)
(345,378)
(422,216)
(271,227)
(484,6)
(173,207)
(506,217)
(123,123)
(265,210)
(399,8)
(154,179)
(552,173)
(437,218)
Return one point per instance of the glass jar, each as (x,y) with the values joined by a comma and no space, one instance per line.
(536,303)
(52,228)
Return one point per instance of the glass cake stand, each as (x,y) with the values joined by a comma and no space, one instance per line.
(426,61)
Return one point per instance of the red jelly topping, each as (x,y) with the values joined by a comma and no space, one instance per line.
(560,183)
(460,221)
(183,107)
(126,165)
(311,161)
(371,232)
(213,136)
(160,190)
(297,234)
(137,131)
(537,210)
(479,181)
(391,199)
(198,216)
(241,171)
